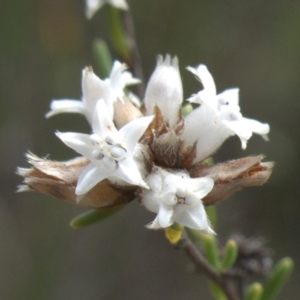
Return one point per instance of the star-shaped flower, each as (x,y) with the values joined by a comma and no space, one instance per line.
(92,6)
(94,89)
(217,118)
(111,152)
(176,197)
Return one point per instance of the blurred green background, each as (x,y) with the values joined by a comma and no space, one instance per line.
(44,45)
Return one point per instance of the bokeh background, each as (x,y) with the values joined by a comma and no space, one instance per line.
(44,44)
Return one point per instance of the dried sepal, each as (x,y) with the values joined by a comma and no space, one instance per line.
(166,149)
(188,154)
(233,175)
(59,179)
(124,112)
(156,128)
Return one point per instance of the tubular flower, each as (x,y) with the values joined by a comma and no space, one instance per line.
(165,90)
(92,6)
(94,89)
(176,197)
(222,116)
(151,152)
(111,152)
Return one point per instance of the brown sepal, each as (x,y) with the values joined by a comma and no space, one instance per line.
(124,112)
(233,175)
(156,128)
(166,150)
(188,155)
(59,179)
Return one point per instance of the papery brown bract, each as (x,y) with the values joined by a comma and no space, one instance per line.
(232,176)
(124,112)
(59,179)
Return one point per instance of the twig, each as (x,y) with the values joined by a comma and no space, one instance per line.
(135,59)
(198,259)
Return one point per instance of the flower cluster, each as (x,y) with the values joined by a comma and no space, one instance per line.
(148,150)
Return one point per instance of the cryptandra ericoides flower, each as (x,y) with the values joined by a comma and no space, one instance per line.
(148,150)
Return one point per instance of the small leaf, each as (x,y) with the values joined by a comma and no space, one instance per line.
(93,216)
(278,277)
(173,233)
(211,250)
(212,214)
(230,255)
(186,109)
(216,291)
(195,235)
(254,291)
(117,33)
(102,57)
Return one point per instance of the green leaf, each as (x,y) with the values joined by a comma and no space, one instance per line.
(93,216)
(217,291)
(211,250)
(212,214)
(230,255)
(278,277)
(254,291)
(102,57)
(195,235)
(117,33)
(186,109)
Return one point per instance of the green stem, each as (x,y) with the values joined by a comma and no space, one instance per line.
(202,264)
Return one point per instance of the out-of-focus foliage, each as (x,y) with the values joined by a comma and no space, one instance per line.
(44,44)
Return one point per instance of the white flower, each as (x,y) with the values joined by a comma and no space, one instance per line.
(94,89)
(217,118)
(93,5)
(164,89)
(176,197)
(111,152)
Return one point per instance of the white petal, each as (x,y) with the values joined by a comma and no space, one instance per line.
(154,224)
(132,132)
(241,130)
(65,106)
(204,97)
(200,186)
(92,6)
(169,187)
(80,142)
(164,89)
(128,171)
(257,127)
(244,128)
(165,216)
(120,78)
(194,217)
(230,98)
(203,126)
(102,121)
(121,4)
(154,180)
(151,197)
(90,176)
(149,202)
(206,79)
(93,89)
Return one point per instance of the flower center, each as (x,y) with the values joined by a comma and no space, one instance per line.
(180,200)
(118,153)
(109,148)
